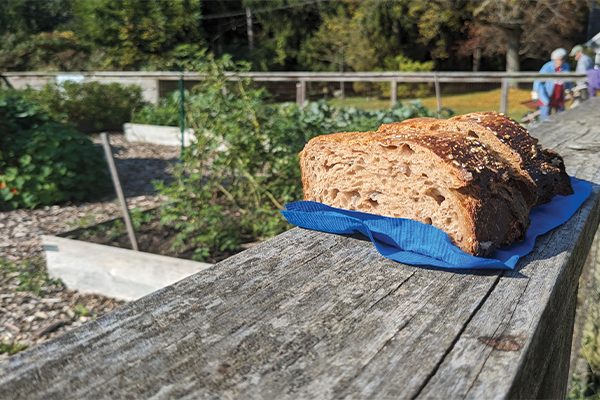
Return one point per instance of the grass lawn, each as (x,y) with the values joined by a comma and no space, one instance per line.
(459,103)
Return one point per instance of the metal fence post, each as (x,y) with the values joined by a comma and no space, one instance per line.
(182,113)
(393,93)
(504,96)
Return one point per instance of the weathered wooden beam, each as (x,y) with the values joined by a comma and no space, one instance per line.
(438,95)
(393,93)
(308,314)
(504,96)
(276,76)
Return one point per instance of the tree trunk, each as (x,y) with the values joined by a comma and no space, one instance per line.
(513,43)
(476,59)
(249,29)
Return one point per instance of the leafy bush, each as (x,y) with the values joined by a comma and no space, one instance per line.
(91,106)
(42,161)
(404,64)
(244,166)
(166,112)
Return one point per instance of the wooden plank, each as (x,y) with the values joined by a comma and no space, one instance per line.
(304,299)
(308,314)
(278,76)
(518,344)
(296,75)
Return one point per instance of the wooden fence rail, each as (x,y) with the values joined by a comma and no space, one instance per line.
(150,80)
(312,315)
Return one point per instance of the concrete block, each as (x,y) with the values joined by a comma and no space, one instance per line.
(112,271)
(165,135)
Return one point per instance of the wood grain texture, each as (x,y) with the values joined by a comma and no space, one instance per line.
(313,315)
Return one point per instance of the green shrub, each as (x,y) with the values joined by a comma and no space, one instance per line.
(243,168)
(41,161)
(91,106)
(404,64)
(166,112)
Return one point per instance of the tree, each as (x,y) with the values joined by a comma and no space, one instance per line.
(340,44)
(419,29)
(33,16)
(281,28)
(518,28)
(129,33)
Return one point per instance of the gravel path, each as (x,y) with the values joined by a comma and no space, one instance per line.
(30,314)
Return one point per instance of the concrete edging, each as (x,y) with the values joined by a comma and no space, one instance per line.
(112,271)
(157,134)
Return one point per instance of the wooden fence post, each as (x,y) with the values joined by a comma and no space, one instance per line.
(438,94)
(393,93)
(117,183)
(301,92)
(504,96)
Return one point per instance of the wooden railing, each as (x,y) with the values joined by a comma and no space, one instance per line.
(314,315)
(302,78)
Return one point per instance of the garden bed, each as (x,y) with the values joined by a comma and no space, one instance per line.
(152,236)
(99,260)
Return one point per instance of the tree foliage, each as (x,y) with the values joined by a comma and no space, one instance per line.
(287,34)
(133,33)
(340,44)
(524,29)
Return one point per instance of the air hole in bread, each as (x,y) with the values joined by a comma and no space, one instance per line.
(428,221)
(434,127)
(436,195)
(425,175)
(405,169)
(448,221)
(406,150)
(389,146)
(354,197)
(329,166)
(334,193)
(472,134)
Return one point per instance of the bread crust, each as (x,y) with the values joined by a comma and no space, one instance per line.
(546,167)
(476,134)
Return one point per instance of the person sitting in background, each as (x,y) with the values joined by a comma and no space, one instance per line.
(593,76)
(584,62)
(551,93)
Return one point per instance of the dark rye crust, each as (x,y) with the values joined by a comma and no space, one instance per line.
(492,203)
(477,135)
(546,168)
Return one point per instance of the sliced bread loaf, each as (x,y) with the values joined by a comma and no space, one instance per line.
(443,179)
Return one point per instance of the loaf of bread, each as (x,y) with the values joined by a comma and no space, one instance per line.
(453,174)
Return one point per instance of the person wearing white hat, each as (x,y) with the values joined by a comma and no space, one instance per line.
(551,93)
(584,62)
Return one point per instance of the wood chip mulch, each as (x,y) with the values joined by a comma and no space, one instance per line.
(29,316)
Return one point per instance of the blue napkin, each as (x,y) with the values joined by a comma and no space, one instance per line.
(415,243)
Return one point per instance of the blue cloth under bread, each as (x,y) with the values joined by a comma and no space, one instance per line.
(412,242)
